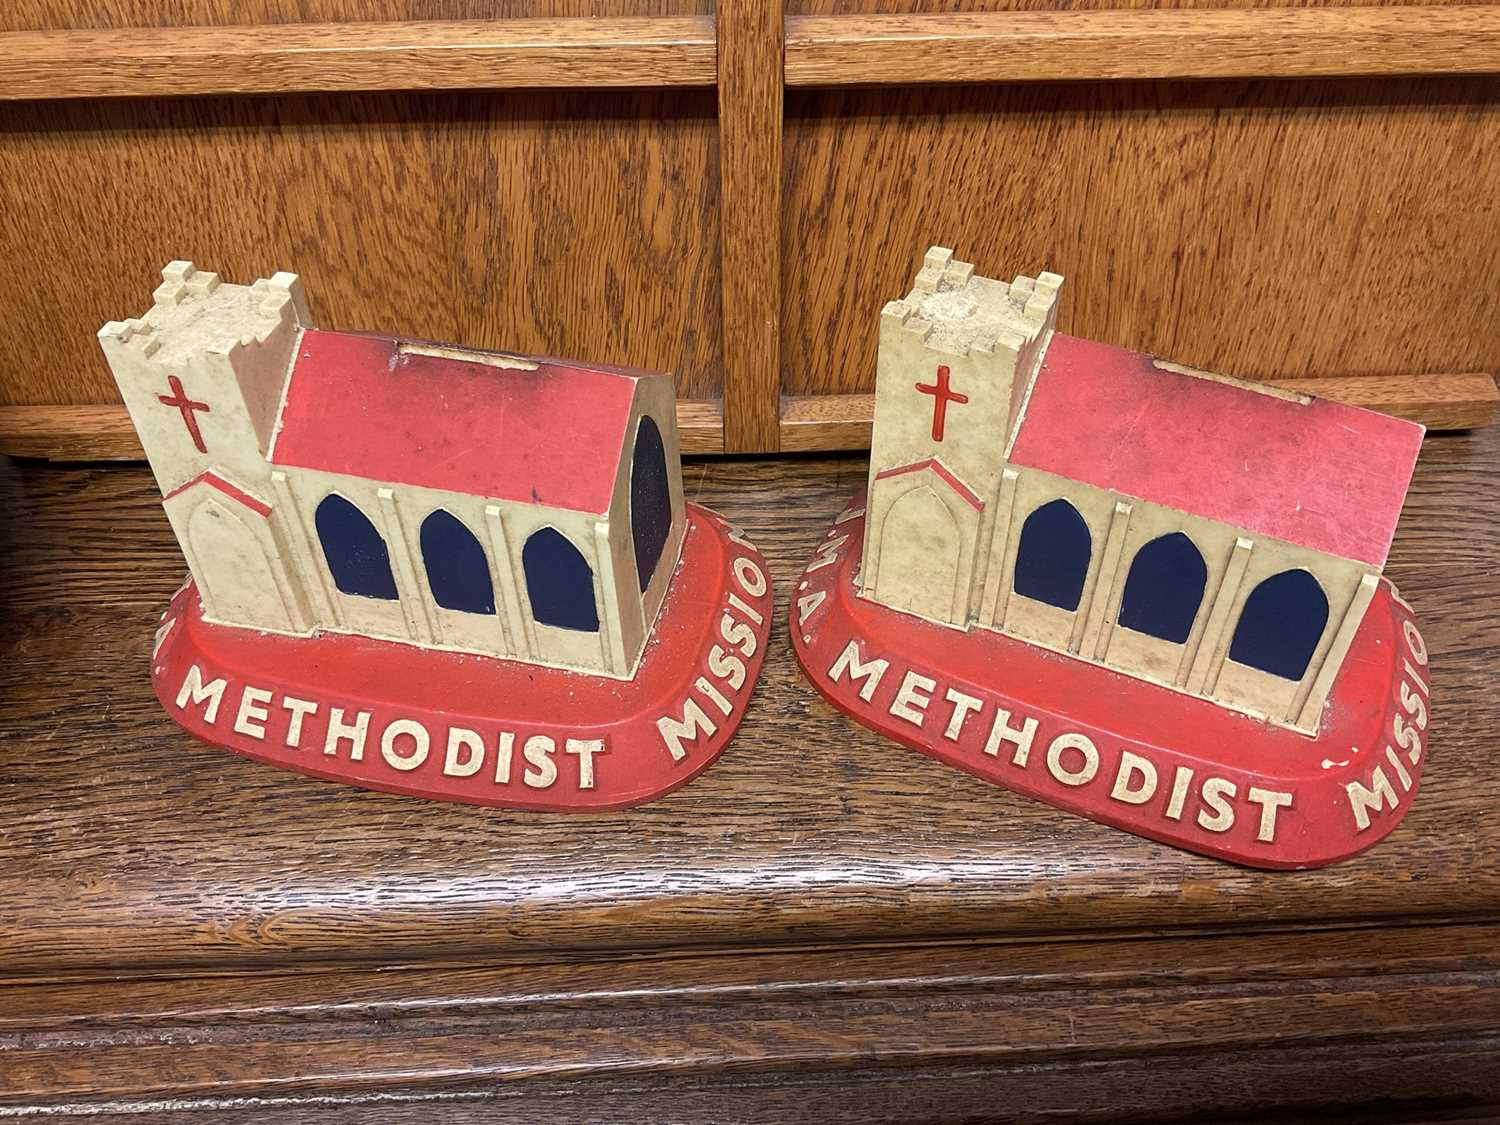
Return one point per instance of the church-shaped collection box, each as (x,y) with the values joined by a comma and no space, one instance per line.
(1140,592)
(430,570)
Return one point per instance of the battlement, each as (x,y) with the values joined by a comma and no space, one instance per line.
(951,309)
(195,313)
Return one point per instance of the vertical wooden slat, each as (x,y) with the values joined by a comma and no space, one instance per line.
(750,123)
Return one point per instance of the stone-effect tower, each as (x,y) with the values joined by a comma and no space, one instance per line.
(957,358)
(202,372)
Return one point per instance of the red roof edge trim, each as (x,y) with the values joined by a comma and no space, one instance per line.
(239,495)
(938,467)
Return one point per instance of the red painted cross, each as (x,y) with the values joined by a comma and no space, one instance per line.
(941,397)
(186,406)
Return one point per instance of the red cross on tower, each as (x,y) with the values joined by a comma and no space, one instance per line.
(187,407)
(941,397)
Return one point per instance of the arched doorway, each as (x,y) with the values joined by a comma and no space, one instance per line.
(650,499)
(1164,588)
(1281,624)
(919,548)
(560,582)
(458,571)
(1052,559)
(239,585)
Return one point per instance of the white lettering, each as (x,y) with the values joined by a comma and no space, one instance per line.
(1408,739)
(585,748)
(1133,765)
(464,753)
(1180,784)
(1084,746)
(809,602)
(1415,642)
(963,706)
(1215,789)
(738,634)
(299,710)
(693,723)
(420,743)
(504,747)
(338,729)
(715,696)
(1414,706)
(743,607)
(1270,801)
(541,770)
(726,666)
(1400,768)
(1002,731)
(910,702)
(252,715)
(750,576)
(195,689)
(870,672)
(1362,800)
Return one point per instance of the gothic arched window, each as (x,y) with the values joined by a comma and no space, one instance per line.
(650,499)
(560,582)
(457,569)
(1164,588)
(356,553)
(1053,557)
(1281,624)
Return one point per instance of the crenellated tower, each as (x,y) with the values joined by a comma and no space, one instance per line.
(203,370)
(958,355)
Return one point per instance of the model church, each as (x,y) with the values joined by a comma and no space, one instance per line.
(1217,537)
(487,503)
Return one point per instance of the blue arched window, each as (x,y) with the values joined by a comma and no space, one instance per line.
(650,499)
(560,581)
(356,553)
(1164,588)
(457,569)
(1053,557)
(1281,624)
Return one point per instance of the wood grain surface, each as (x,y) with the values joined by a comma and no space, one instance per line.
(823,927)
(925,49)
(49,15)
(306,58)
(131,848)
(750,124)
(858,1035)
(1263,229)
(571,224)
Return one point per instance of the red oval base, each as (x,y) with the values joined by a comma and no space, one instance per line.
(1118,750)
(460,727)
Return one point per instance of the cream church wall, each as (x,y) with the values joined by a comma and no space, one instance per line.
(1200,665)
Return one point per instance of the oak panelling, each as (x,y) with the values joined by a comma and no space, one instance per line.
(750,125)
(47,15)
(1066,46)
(128,846)
(1262,229)
(312,58)
(582,225)
(902,7)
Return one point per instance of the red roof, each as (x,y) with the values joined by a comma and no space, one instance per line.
(1318,474)
(385,410)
